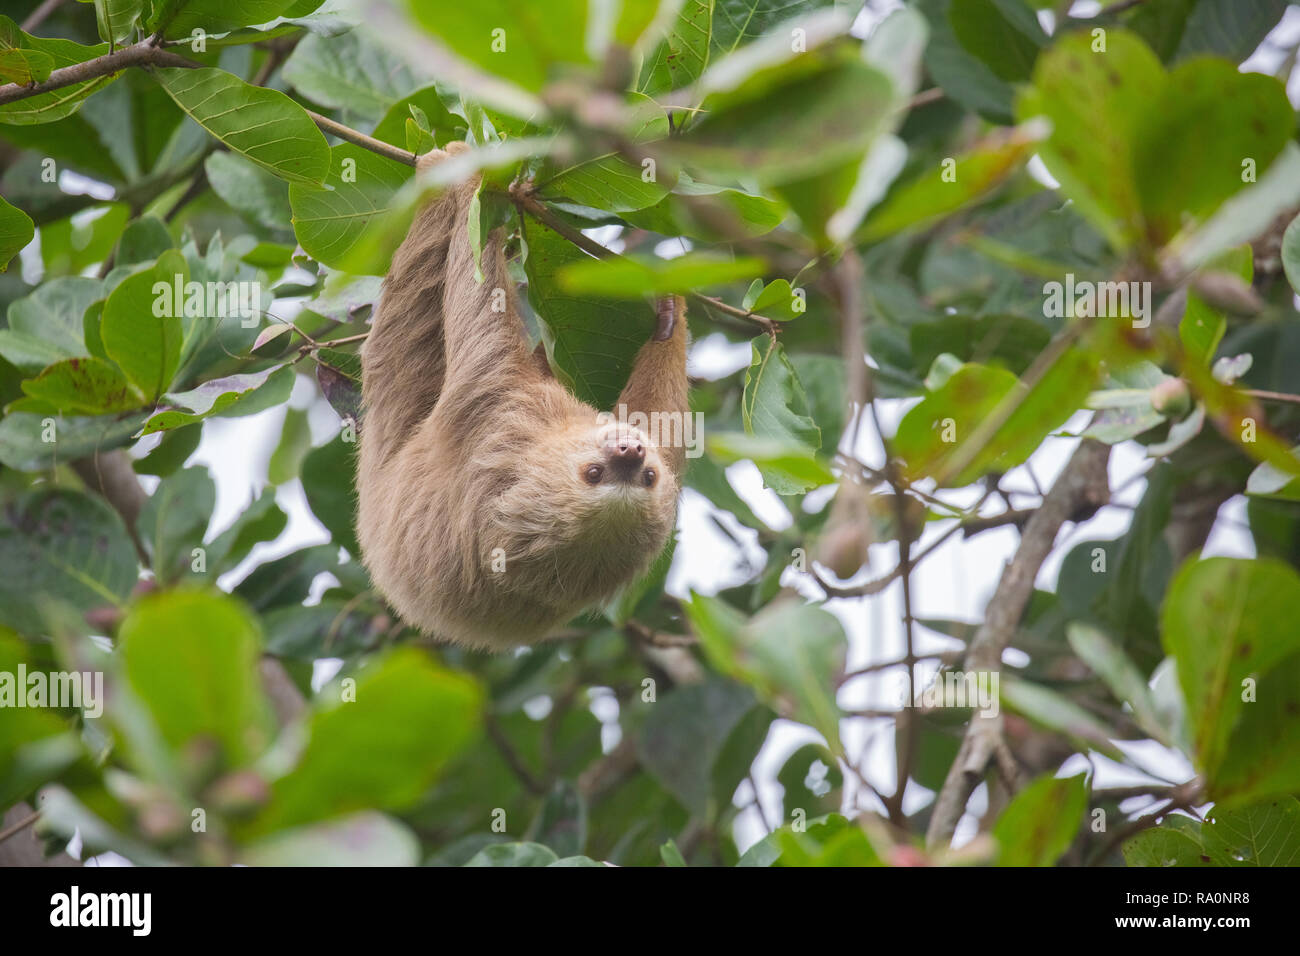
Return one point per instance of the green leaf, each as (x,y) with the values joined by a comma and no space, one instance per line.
(295,442)
(141,337)
(965,78)
(1202,326)
(16,230)
(175,519)
(249,190)
(1165,846)
(170,453)
(608,183)
(593,340)
(521,43)
(330,222)
(763,127)
(1266,834)
(35,442)
(1263,755)
(1291,253)
(117,19)
(1225,620)
(61,546)
(1041,821)
(1269,481)
(682,56)
(38,53)
(1120,674)
(945,188)
(1097,104)
(624,278)
(440,121)
(775,407)
(262,125)
(1004,34)
(191,659)
(327,480)
(791,653)
(49,321)
(87,385)
(1188,151)
(684,736)
(19,64)
(946,422)
(1057,712)
(417,715)
(785,464)
(261,521)
(230,397)
(144,240)
(362,839)
(352,71)
(215,16)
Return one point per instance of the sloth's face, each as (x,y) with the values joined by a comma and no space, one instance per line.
(616,459)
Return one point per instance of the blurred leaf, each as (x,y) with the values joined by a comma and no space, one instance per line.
(191,658)
(295,441)
(352,71)
(522,44)
(174,520)
(1041,821)
(515,854)
(417,715)
(61,546)
(362,839)
(1224,620)
(776,409)
(634,278)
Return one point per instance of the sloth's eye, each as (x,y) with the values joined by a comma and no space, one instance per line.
(593,473)
(648,477)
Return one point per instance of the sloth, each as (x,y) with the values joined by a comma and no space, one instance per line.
(493,505)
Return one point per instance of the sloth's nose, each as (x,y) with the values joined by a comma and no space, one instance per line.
(625,454)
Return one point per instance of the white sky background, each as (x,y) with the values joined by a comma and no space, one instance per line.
(955,582)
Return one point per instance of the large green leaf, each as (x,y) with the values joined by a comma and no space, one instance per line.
(625,278)
(61,546)
(593,341)
(180,19)
(191,659)
(762,127)
(381,748)
(174,520)
(1041,822)
(791,653)
(1226,620)
(351,71)
(360,187)
(262,125)
(140,333)
(775,407)
(86,385)
(684,737)
(48,325)
(682,56)
(523,43)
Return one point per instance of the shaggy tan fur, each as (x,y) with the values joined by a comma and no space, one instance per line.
(478,519)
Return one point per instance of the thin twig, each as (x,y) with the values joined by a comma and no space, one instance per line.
(21,825)
(40,14)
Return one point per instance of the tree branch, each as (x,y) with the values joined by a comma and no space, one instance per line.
(140,54)
(1084,481)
